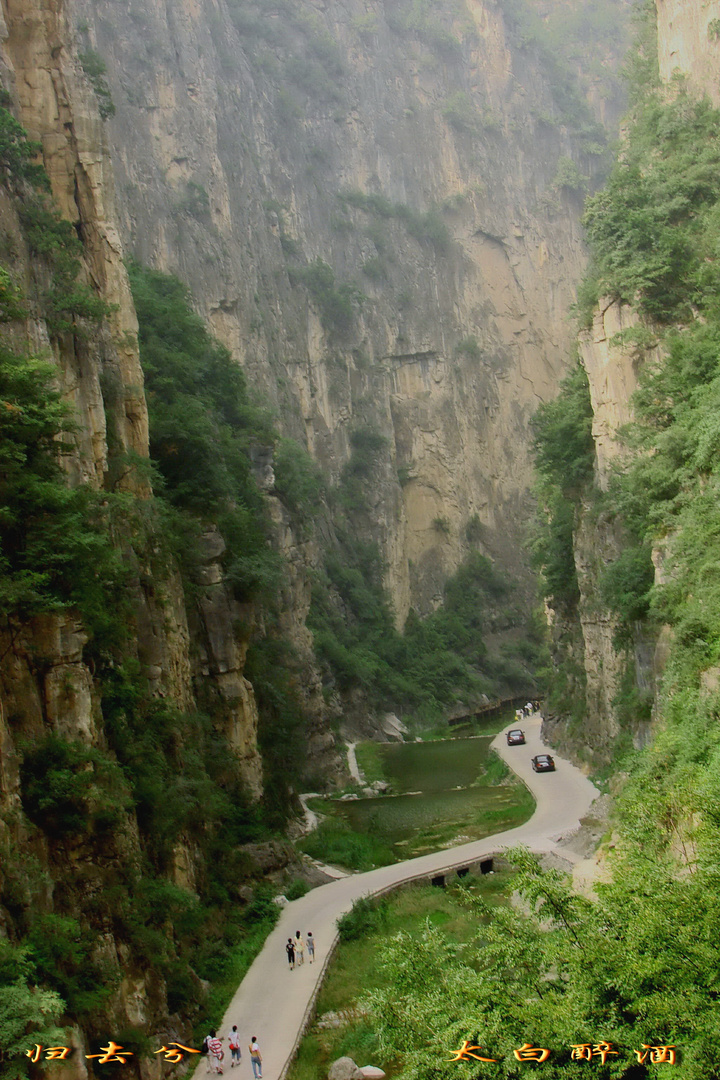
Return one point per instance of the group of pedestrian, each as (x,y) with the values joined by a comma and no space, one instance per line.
(216,1054)
(527,710)
(296,946)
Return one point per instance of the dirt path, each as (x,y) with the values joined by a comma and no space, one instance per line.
(275,1003)
(353,765)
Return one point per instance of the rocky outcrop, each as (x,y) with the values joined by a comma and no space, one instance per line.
(689,44)
(58,109)
(612,365)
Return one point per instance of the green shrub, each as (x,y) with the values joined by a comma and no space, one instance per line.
(625,586)
(469,346)
(53,238)
(50,533)
(474,530)
(366,917)
(568,175)
(202,425)
(460,112)
(61,952)
(96,69)
(375,269)
(334,842)
(564,459)
(69,788)
(11,299)
(650,228)
(29,1014)
(17,153)
(337,304)
(552,549)
(297,888)
(562,429)
(299,481)
(195,202)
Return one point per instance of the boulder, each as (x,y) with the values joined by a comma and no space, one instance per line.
(369,1072)
(393,728)
(342,1069)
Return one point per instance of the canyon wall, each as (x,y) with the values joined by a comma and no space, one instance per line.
(239,130)
(689,44)
(378,213)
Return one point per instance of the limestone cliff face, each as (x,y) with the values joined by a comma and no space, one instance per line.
(612,370)
(186,653)
(103,380)
(689,44)
(232,165)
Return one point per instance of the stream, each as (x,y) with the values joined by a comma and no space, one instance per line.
(439,797)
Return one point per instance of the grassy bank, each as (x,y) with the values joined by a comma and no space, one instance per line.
(357,965)
(342,843)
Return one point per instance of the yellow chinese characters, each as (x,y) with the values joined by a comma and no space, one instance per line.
(466,1053)
(110,1053)
(175,1055)
(527,1052)
(586,1051)
(52,1053)
(656,1055)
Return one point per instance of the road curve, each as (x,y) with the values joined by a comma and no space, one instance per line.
(274,1003)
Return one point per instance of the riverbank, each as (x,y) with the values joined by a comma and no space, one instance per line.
(439,794)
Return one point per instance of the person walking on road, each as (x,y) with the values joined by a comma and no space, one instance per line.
(255,1058)
(234,1044)
(311,946)
(299,948)
(215,1053)
(290,950)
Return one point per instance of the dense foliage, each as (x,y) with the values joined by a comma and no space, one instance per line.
(28,1014)
(435,662)
(637,968)
(202,429)
(564,459)
(54,547)
(642,964)
(653,229)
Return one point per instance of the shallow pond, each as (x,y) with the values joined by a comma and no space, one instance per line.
(440,797)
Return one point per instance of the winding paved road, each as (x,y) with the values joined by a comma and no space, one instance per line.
(273,1002)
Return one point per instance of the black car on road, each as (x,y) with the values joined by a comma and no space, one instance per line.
(543,763)
(516,737)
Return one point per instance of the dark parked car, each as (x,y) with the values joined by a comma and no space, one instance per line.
(543,763)
(516,737)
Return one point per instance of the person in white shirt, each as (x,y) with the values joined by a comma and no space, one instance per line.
(255,1058)
(234,1044)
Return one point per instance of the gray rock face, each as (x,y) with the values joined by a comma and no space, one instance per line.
(237,178)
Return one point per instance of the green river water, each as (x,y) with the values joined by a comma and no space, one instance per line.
(439,797)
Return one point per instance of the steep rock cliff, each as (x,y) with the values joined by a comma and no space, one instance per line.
(238,131)
(689,44)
